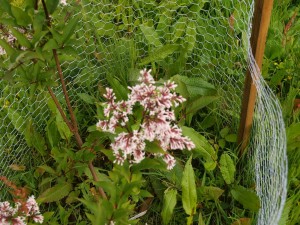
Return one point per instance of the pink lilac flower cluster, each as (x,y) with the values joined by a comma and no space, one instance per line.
(157,124)
(18,215)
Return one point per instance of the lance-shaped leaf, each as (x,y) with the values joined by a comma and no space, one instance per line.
(69,29)
(22,39)
(22,18)
(246,197)
(191,33)
(227,168)
(17,120)
(179,28)
(56,192)
(151,35)
(168,205)
(203,147)
(188,185)
(196,86)
(159,54)
(8,49)
(52,5)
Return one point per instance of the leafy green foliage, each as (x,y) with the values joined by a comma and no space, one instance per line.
(246,197)
(227,168)
(168,205)
(55,193)
(203,147)
(189,194)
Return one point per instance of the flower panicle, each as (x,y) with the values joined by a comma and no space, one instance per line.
(25,208)
(18,215)
(157,123)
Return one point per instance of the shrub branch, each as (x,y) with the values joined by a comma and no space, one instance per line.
(73,126)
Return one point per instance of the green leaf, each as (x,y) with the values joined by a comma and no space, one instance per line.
(190,37)
(52,5)
(25,56)
(151,35)
(292,132)
(210,192)
(145,194)
(11,22)
(34,138)
(29,4)
(189,220)
(48,216)
(5,6)
(153,147)
(55,193)
(247,198)
(200,219)
(8,49)
(69,29)
(203,147)
(62,127)
(189,194)
(87,98)
(168,205)
(231,138)
(56,35)
(85,155)
(22,18)
(159,54)
(222,143)
(182,89)
(22,39)
(47,169)
(105,28)
(148,163)
(51,44)
(210,165)
(199,102)
(119,89)
(227,168)
(52,133)
(196,85)
(224,132)
(38,23)
(179,28)
(17,120)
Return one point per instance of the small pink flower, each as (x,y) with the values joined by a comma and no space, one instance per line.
(38,218)
(18,221)
(110,95)
(32,206)
(170,161)
(102,124)
(119,159)
(146,77)
(6,210)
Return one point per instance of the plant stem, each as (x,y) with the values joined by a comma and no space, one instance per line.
(73,126)
(60,109)
(95,177)
(46,13)
(64,88)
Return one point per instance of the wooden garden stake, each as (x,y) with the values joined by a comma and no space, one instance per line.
(260,25)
